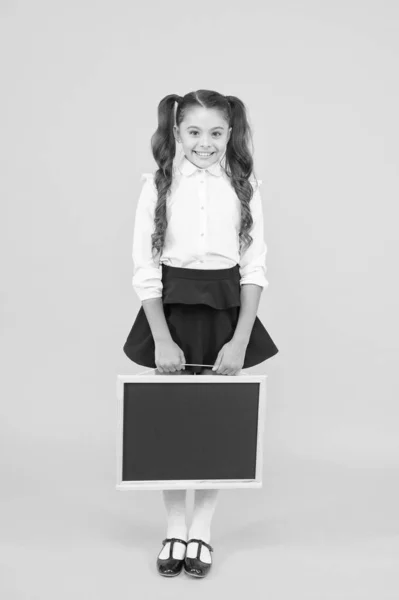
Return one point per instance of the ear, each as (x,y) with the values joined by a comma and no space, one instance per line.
(176,133)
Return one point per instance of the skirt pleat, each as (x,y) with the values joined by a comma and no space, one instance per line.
(201,309)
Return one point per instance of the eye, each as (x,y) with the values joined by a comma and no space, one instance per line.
(216,132)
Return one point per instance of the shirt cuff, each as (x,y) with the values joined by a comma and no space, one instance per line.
(257,277)
(147,283)
(147,294)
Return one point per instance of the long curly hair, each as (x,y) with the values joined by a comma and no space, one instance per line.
(239,162)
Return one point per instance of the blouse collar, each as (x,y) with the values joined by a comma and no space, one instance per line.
(186,167)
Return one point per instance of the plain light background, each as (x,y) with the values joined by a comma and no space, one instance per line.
(80,86)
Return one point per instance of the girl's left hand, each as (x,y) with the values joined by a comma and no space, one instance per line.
(230,358)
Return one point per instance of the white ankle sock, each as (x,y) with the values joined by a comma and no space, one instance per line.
(175,504)
(204,508)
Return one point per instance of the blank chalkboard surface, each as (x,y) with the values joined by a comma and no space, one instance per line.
(188,431)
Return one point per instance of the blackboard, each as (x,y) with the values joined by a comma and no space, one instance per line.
(188,431)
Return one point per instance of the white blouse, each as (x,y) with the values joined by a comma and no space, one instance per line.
(203,213)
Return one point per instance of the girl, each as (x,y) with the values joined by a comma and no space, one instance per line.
(199,274)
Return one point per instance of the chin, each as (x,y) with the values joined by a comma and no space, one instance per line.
(212,158)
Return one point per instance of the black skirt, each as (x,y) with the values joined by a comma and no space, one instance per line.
(201,308)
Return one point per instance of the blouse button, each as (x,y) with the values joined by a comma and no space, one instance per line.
(202,208)
(202,234)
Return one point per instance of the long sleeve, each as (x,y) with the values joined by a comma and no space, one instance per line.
(253,259)
(147,273)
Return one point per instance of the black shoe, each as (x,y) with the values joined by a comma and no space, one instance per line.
(170,567)
(195,566)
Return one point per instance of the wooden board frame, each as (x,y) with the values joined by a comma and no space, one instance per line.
(169,379)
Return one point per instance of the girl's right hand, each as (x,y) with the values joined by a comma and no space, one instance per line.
(169,357)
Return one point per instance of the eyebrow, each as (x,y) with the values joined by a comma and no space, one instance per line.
(195,126)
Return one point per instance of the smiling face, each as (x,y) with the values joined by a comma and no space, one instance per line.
(204,135)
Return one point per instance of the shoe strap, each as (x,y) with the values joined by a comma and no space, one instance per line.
(173,540)
(200,542)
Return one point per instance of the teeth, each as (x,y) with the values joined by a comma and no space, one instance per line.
(203,153)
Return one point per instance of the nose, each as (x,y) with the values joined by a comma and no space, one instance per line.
(204,144)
